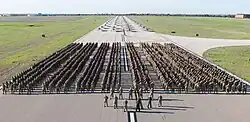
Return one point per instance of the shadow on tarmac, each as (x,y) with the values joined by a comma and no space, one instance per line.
(155,112)
(179,107)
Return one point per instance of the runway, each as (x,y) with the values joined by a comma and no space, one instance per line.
(140,35)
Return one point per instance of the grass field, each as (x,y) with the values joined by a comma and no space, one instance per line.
(22,45)
(226,28)
(235,59)
(39,18)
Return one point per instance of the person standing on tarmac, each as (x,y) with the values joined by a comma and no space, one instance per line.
(124,32)
(111,94)
(125,105)
(120,93)
(130,92)
(139,105)
(149,102)
(116,102)
(152,92)
(106,101)
(141,93)
(4,88)
(160,101)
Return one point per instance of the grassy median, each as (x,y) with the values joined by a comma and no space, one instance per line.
(235,59)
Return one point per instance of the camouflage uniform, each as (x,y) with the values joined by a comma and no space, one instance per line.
(130,92)
(116,102)
(111,94)
(160,101)
(245,88)
(105,101)
(4,88)
(125,105)
(149,102)
(120,93)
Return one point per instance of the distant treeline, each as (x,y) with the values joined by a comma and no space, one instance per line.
(132,14)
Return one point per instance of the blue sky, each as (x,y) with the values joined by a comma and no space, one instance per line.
(126,6)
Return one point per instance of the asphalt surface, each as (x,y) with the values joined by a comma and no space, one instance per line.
(200,45)
(89,107)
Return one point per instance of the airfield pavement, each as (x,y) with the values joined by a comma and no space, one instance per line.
(200,45)
(89,107)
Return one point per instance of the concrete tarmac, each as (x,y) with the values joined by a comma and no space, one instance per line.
(89,108)
(200,45)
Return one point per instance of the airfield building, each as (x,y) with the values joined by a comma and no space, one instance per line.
(242,16)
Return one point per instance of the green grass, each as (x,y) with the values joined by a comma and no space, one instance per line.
(228,28)
(235,59)
(21,45)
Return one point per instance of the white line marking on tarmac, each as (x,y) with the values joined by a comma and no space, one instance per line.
(132,116)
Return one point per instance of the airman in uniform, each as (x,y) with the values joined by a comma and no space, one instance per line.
(151,93)
(135,92)
(139,105)
(28,88)
(216,88)
(4,88)
(233,88)
(197,88)
(106,101)
(124,32)
(130,93)
(44,88)
(149,102)
(111,94)
(244,88)
(76,87)
(120,93)
(19,88)
(186,87)
(228,88)
(57,90)
(239,87)
(11,88)
(141,93)
(7,85)
(116,102)
(160,101)
(125,105)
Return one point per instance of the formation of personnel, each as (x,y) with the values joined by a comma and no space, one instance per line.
(140,75)
(66,64)
(138,105)
(179,70)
